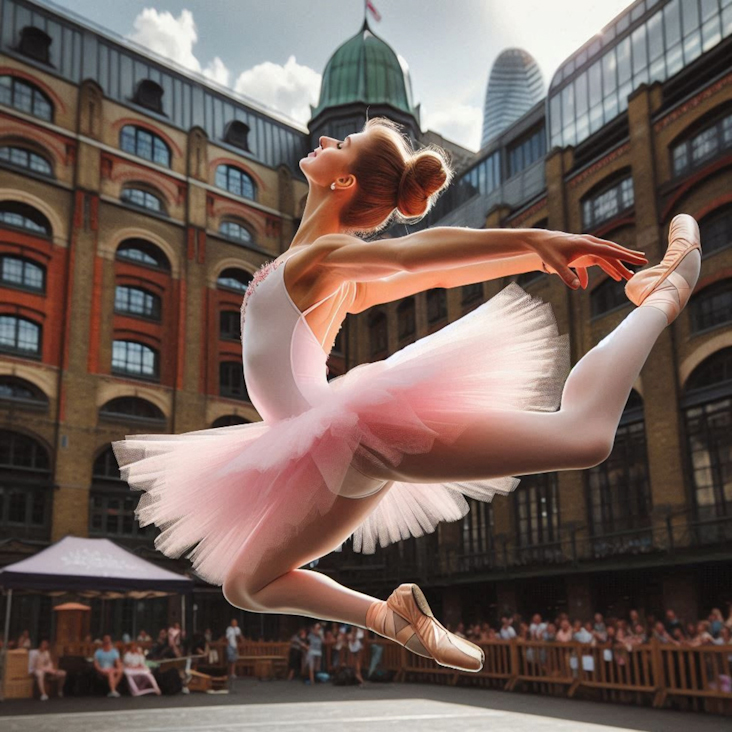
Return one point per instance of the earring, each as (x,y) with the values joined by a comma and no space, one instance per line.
(332,186)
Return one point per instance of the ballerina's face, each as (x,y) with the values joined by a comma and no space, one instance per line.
(332,159)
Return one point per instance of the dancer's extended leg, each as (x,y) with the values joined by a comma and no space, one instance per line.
(579,435)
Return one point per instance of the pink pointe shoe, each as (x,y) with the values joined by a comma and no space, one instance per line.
(668,285)
(407,618)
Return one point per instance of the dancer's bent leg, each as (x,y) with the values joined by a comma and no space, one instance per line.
(278,586)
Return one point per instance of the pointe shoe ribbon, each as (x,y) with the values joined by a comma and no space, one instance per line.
(407,618)
(670,289)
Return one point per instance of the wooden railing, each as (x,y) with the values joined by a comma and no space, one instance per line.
(654,674)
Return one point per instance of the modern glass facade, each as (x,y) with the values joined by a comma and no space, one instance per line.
(514,87)
(650,41)
(76,53)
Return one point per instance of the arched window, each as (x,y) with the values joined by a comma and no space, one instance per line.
(619,489)
(132,409)
(140,251)
(145,144)
(703,145)
(26,488)
(112,504)
(235,181)
(22,216)
(228,420)
(15,389)
(19,336)
(707,409)
(136,301)
(237,133)
(536,506)
(130,358)
(476,537)
(234,279)
(236,232)
(26,97)
(716,229)
(609,295)
(378,334)
(231,381)
(711,307)
(142,199)
(405,319)
(229,327)
(35,44)
(22,273)
(436,304)
(149,94)
(607,203)
(20,157)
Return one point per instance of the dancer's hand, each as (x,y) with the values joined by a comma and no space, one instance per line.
(562,253)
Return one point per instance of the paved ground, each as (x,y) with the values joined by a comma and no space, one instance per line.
(280,706)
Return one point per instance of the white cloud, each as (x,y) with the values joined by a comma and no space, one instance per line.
(457,121)
(174,38)
(288,89)
(217,71)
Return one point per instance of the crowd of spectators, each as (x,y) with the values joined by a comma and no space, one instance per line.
(629,632)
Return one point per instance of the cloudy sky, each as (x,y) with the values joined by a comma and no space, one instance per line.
(274,51)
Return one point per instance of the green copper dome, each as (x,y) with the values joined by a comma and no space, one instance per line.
(365,69)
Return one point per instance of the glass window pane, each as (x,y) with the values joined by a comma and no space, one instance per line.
(672,23)
(623,56)
(640,57)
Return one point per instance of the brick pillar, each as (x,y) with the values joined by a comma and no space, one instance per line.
(658,376)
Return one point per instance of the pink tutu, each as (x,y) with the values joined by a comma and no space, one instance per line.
(247,487)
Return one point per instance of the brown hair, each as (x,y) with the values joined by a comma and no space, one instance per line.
(394,183)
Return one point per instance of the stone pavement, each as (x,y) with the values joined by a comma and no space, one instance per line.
(280,706)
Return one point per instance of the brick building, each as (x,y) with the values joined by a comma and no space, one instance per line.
(137,199)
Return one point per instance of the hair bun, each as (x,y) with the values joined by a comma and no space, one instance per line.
(423,176)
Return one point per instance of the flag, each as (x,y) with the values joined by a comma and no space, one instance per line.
(373,10)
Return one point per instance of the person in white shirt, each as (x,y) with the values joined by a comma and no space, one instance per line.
(355,646)
(507,631)
(140,678)
(537,628)
(233,634)
(44,667)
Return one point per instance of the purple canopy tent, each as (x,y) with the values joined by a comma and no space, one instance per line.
(89,568)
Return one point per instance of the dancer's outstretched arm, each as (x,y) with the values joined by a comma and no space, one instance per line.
(446,256)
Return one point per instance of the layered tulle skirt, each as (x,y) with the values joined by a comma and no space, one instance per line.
(234,494)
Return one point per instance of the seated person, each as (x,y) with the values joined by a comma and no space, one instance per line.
(44,667)
(139,677)
(108,664)
(161,649)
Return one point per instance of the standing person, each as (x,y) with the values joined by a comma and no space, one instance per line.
(298,646)
(44,667)
(174,639)
(108,664)
(537,628)
(507,631)
(314,652)
(233,635)
(355,646)
(351,457)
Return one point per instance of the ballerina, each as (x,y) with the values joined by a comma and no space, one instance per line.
(391,448)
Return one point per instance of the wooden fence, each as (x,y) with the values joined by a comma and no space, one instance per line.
(654,674)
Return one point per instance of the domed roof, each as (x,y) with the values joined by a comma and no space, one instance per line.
(514,87)
(365,69)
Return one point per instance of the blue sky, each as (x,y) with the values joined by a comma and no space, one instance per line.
(275,51)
